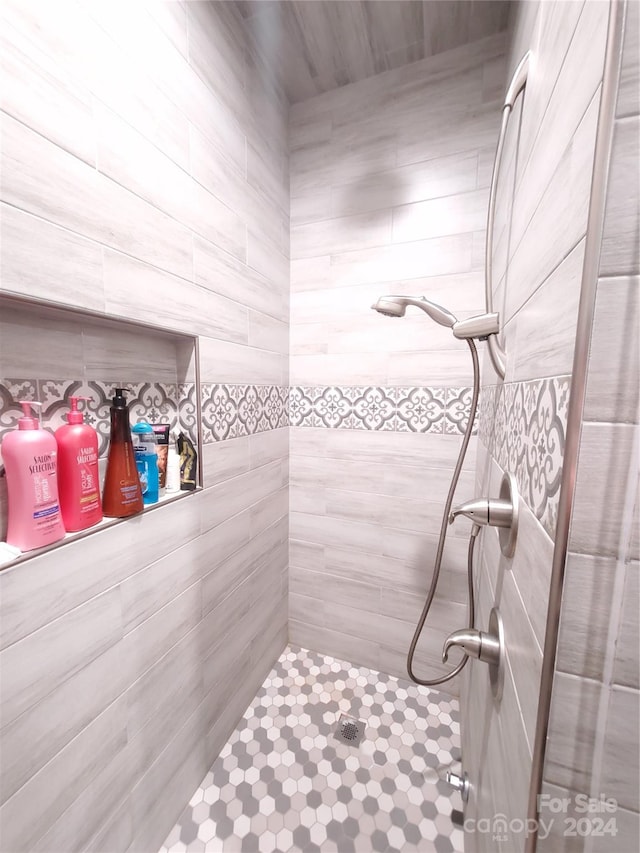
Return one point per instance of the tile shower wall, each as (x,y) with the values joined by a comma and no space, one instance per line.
(597,664)
(389,189)
(541,219)
(145,176)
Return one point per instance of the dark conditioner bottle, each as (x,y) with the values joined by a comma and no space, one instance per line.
(122,495)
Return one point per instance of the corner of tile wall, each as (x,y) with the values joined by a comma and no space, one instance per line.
(162,197)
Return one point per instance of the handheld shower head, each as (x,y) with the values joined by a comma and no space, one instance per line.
(479,327)
(395,306)
(390,306)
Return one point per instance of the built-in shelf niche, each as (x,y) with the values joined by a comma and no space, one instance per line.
(48,352)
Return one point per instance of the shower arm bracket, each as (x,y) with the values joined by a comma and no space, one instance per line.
(516,86)
(479,327)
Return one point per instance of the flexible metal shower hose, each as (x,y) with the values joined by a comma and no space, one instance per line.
(443,535)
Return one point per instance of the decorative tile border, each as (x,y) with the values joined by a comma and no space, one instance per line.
(186,396)
(155,401)
(425,409)
(230,411)
(523,425)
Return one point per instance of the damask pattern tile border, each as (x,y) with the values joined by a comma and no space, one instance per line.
(396,409)
(523,425)
(156,402)
(230,411)
(187,417)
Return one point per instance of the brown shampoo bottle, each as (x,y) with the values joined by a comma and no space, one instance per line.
(122,492)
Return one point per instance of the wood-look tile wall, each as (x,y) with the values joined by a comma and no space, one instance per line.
(541,220)
(593,747)
(389,188)
(144,175)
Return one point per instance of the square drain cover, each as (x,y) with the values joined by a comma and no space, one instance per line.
(349,730)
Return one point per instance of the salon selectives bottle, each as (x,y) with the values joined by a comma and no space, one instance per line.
(78,477)
(122,494)
(30,459)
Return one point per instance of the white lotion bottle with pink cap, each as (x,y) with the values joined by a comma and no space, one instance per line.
(30,455)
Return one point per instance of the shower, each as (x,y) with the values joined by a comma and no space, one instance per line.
(480,327)
(396,306)
(484,327)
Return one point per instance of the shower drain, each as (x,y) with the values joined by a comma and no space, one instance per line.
(349,730)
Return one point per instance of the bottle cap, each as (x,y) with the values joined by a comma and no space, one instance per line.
(73,415)
(119,401)
(27,421)
(143,427)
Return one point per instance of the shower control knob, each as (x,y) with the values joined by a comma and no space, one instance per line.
(476,644)
(501,512)
(487,646)
(490,511)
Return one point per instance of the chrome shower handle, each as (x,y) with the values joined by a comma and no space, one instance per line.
(502,512)
(476,644)
(487,646)
(492,511)
(518,82)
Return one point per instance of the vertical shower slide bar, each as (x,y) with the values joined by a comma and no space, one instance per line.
(518,82)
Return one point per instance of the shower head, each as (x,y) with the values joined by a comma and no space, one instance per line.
(395,306)
(474,327)
(390,306)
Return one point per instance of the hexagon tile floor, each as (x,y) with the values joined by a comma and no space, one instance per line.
(284,782)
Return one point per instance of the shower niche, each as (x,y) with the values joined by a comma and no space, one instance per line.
(49,352)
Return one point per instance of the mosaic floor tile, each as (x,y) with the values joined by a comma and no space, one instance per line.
(283,782)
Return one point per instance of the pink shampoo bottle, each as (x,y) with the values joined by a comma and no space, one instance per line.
(30,460)
(79,481)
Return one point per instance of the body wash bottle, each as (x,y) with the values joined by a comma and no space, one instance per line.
(79,482)
(144,449)
(122,495)
(30,461)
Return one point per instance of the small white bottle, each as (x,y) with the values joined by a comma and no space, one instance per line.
(173,467)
